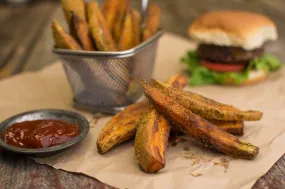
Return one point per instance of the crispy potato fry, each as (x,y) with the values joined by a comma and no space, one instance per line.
(207,108)
(62,39)
(232,127)
(196,127)
(110,10)
(99,29)
(152,21)
(151,141)
(122,127)
(136,17)
(77,6)
(119,21)
(127,40)
(81,30)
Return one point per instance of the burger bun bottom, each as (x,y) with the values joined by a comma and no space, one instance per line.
(254,77)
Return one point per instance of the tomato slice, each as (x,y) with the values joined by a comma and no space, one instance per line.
(220,67)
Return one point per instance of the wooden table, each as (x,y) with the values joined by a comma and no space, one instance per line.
(26,45)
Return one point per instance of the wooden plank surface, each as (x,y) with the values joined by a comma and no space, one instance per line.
(19,172)
(20,32)
(26,45)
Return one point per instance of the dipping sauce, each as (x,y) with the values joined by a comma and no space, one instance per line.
(39,133)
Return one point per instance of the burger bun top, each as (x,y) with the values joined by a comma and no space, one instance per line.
(233,28)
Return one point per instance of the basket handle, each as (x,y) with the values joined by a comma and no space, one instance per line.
(144,12)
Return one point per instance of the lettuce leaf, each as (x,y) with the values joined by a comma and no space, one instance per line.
(200,75)
(267,62)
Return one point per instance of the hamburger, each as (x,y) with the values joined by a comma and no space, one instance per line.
(231,48)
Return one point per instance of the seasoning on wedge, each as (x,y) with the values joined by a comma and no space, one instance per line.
(62,39)
(81,32)
(207,108)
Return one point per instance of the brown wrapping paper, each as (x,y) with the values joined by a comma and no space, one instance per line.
(188,164)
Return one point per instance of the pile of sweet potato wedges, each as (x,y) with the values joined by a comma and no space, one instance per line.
(114,27)
(170,109)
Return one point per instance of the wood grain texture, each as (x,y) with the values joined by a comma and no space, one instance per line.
(20,32)
(26,45)
(20,172)
(274,178)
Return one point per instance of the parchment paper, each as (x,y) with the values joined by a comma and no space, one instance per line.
(188,164)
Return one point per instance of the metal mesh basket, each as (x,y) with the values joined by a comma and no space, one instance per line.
(108,81)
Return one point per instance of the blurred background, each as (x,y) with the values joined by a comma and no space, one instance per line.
(26,40)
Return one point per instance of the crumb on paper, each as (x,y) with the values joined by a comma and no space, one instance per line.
(223,162)
(178,139)
(196,174)
(195,157)
(186,149)
(95,117)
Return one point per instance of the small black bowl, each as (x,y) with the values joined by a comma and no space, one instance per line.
(51,114)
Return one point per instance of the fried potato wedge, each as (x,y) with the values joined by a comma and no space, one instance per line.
(152,21)
(232,127)
(127,40)
(207,108)
(62,39)
(120,19)
(198,128)
(122,127)
(110,10)
(77,6)
(81,30)
(151,141)
(136,18)
(99,29)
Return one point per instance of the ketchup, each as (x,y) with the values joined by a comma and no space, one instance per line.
(39,133)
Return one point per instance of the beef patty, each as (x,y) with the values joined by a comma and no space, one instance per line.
(223,54)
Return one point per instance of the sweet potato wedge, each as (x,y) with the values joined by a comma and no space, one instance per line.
(152,21)
(120,19)
(177,81)
(110,10)
(99,29)
(152,135)
(151,141)
(122,127)
(127,40)
(207,108)
(77,6)
(81,30)
(62,39)
(198,128)
(136,18)
(232,127)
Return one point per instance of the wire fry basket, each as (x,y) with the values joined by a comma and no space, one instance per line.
(108,81)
